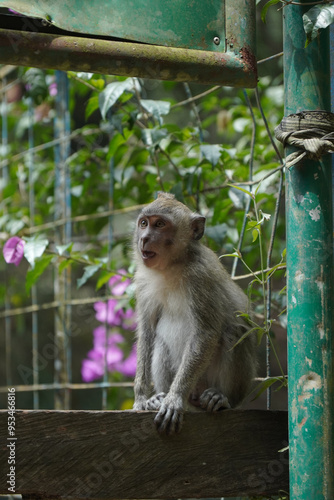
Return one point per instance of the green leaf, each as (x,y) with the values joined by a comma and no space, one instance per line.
(263,386)
(61,249)
(257,189)
(34,249)
(248,319)
(237,197)
(272,271)
(64,264)
(113,92)
(255,234)
(39,267)
(156,108)
(153,136)
(104,278)
(114,144)
(89,271)
(235,254)
(242,189)
(35,84)
(318,17)
(244,336)
(92,105)
(115,120)
(211,152)
(266,7)
(14,226)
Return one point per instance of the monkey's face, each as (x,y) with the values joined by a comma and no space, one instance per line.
(155,241)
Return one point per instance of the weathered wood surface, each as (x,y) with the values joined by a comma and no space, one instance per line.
(117,455)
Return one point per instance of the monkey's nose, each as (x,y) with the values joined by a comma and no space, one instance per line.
(144,240)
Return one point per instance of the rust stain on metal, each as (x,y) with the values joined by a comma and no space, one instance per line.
(249,59)
(302,423)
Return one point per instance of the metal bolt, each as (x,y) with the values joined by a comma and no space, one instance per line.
(216,40)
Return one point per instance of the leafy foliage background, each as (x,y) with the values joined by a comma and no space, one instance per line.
(134,137)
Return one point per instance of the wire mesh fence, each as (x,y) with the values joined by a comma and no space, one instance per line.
(49,186)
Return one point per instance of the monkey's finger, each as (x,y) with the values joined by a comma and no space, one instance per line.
(153,404)
(205,400)
(178,421)
(161,396)
(168,421)
(222,404)
(175,423)
(162,419)
(213,402)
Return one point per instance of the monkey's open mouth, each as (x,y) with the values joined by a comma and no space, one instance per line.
(148,255)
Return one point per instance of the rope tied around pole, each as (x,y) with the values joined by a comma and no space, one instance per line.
(310,131)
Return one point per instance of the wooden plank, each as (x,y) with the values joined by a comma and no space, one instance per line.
(115,455)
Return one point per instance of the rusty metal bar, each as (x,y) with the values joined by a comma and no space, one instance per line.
(67,53)
(309,273)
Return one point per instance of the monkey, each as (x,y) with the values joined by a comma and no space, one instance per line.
(188,321)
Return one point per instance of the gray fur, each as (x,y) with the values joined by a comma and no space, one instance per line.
(187,309)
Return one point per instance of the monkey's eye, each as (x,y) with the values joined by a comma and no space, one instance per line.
(160,223)
(143,223)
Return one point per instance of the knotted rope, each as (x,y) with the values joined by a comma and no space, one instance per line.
(310,131)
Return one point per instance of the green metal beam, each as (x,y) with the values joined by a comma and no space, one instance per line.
(211,25)
(176,23)
(66,53)
(309,274)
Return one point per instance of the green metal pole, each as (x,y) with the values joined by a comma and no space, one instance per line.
(309,274)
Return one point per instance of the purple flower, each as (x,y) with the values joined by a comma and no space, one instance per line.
(129,365)
(93,367)
(53,90)
(100,333)
(112,355)
(91,370)
(13,250)
(118,285)
(109,313)
(106,312)
(105,344)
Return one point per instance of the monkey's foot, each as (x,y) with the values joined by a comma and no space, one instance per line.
(213,400)
(170,416)
(155,401)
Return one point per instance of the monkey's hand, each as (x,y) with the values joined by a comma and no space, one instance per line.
(140,403)
(213,400)
(170,415)
(155,401)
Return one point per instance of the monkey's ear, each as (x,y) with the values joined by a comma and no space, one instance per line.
(198,226)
